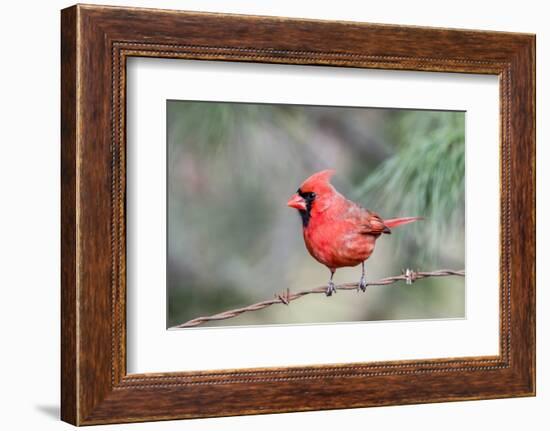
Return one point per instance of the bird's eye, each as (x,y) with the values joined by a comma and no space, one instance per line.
(306,195)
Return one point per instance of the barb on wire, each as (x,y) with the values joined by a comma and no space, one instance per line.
(408,275)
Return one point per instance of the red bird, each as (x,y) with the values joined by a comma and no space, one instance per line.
(337,231)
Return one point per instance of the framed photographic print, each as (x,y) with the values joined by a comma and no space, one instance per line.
(258,208)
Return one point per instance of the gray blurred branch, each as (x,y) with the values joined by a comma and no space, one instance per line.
(362,143)
(409,276)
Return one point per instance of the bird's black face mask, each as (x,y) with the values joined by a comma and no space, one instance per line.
(309,197)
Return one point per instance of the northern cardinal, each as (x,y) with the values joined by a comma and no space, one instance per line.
(338,232)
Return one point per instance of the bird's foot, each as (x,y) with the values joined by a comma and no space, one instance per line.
(331,288)
(362,285)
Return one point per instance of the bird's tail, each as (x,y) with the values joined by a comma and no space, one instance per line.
(394,222)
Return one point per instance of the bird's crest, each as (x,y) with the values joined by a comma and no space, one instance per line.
(318,180)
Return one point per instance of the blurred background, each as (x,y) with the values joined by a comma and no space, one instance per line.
(232,241)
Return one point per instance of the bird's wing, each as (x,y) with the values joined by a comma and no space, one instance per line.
(367,222)
(374,225)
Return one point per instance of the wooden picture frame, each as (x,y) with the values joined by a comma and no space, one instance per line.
(95,43)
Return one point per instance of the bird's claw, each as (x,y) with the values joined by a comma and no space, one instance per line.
(331,288)
(362,285)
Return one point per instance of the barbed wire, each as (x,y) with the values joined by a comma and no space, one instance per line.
(408,275)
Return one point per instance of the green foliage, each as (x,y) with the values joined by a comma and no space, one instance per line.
(210,127)
(425,175)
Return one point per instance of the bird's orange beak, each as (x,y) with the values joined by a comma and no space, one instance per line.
(298,202)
